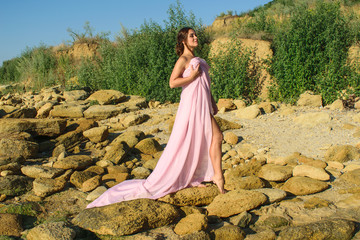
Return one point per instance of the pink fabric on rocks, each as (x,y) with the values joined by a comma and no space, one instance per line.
(185,161)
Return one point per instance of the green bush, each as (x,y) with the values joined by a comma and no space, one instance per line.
(141,62)
(236,72)
(311,54)
(9,72)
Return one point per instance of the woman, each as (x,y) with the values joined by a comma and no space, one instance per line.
(193,152)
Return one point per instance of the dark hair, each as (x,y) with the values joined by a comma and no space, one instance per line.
(181,37)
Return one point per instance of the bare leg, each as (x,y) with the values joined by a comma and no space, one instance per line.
(215,155)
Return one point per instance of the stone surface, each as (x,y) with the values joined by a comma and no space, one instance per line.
(266,107)
(226,125)
(68,111)
(75,162)
(39,171)
(126,217)
(140,172)
(51,231)
(352,176)
(304,186)
(231,138)
(310,100)
(79,177)
(91,184)
(250,112)
(342,153)
(96,193)
(337,105)
(242,220)
(235,202)
(116,152)
(311,172)
(14,145)
(10,224)
(103,111)
(334,229)
(227,104)
(229,232)
(36,127)
(75,95)
(104,97)
(248,182)
(313,118)
(148,146)
(97,134)
(267,234)
(191,223)
(195,196)
(273,194)
(44,110)
(134,119)
(15,185)
(23,113)
(45,186)
(273,172)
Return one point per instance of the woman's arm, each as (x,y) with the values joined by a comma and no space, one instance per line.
(214,106)
(176,79)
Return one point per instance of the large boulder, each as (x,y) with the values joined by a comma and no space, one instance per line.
(75,162)
(195,196)
(342,153)
(23,113)
(148,146)
(36,127)
(273,172)
(310,100)
(335,229)
(311,172)
(14,145)
(14,185)
(103,111)
(313,118)
(235,202)
(191,223)
(10,225)
(45,186)
(97,134)
(226,125)
(273,194)
(68,111)
(352,176)
(304,186)
(51,231)
(250,112)
(75,95)
(248,182)
(134,119)
(105,97)
(38,171)
(127,217)
(229,232)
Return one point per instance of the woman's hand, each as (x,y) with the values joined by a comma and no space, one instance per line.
(194,73)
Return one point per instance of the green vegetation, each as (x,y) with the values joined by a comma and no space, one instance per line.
(311,54)
(236,72)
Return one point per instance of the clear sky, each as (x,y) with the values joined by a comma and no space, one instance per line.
(29,23)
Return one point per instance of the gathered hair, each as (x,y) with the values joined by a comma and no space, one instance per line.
(181,37)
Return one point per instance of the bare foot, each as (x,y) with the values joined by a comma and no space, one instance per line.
(201,185)
(219,183)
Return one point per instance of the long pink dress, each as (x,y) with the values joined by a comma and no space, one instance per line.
(185,161)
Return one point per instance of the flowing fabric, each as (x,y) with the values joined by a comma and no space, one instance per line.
(185,161)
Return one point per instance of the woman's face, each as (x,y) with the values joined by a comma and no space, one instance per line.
(192,40)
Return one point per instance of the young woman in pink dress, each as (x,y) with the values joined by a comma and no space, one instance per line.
(193,152)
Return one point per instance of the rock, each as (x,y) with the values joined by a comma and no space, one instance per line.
(231,138)
(75,162)
(148,146)
(248,182)
(266,107)
(68,111)
(335,165)
(274,222)
(37,171)
(75,95)
(351,167)
(116,152)
(78,178)
(250,112)
(316,202)
(10,224)
(134,103)
(134,119)
(91,184)
(272,172)
(140,173)
(14,145)
(337,105)
(352,177)
(227,104)
(70,139)
(103,111)
(267,234)
(96,193)
(304,186)
(36,127)
(335,229)
(97,134)
(310,100)
(311,172)
(44,111)
(131,138)
(15,185)
(151,164)
(243,170)
(226,125)
(351,202)
(242,220)
(105,97)
(23,113)
(51,231)
(312,119)
(127,217)
(342,153)
(273,194)
(45,186)
(235,202)
(239,104)
(194,196)
(191,223)
(229,232)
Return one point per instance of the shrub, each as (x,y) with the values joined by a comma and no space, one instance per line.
(311,54)
(236,72)
(9,72)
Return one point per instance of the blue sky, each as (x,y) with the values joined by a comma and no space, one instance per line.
(29,23)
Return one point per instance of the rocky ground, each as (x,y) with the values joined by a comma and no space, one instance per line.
(292,172)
